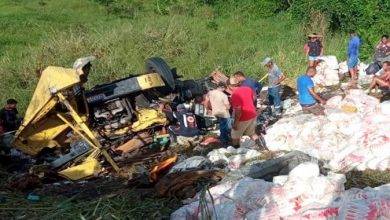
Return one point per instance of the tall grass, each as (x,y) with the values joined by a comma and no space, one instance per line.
(58,32)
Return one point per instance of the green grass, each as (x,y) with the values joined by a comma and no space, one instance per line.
(38,33)
(127,205)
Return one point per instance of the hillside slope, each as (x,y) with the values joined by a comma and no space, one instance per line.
(38,33)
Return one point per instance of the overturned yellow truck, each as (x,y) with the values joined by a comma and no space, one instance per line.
(73,128)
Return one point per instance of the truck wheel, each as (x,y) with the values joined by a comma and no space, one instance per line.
(158,65)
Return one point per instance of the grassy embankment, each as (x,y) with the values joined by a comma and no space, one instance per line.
(39,33)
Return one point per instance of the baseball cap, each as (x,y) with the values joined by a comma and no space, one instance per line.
(266,60)
(81,62)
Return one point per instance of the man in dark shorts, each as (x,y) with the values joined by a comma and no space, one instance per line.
(313,49)
(308,98)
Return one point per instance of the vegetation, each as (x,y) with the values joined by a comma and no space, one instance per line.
(370,18)
(122,34)
(126,205)
(196,36)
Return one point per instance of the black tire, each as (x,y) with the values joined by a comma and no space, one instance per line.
(158,65)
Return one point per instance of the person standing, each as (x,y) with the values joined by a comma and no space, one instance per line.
(218,103)
(308,98)
(275,77)
(246,81)
(353,55)
(9,118)
(313,49)
(9,122)
(244,114)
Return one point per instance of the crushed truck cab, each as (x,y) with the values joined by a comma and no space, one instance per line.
(71,128)
(40,126)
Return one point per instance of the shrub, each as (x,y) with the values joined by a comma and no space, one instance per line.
(370,18)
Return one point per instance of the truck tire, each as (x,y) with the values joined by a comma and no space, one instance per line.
(158,65)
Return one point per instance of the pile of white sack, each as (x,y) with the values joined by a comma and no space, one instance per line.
(232,157)
(354,133)
(303,194)
(327,71)
(363,77)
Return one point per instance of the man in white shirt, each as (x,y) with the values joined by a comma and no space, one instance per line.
(218,103)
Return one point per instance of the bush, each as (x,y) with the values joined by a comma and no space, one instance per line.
(247,8)
(370,18)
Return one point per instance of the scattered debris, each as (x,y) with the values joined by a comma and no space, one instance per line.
(186,184)
(75,130)
(156,134)
(163,166)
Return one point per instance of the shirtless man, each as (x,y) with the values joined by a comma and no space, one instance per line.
(382,81)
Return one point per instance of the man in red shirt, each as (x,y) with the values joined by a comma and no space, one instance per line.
(244,112)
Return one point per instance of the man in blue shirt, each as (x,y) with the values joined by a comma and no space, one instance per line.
(353,54)
(245,81)
(308,98)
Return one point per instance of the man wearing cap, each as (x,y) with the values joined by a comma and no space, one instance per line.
(308,98)
(244,111)
(275,77)
(217,101)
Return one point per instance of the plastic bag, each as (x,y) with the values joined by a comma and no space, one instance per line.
(305,171)
(192,163)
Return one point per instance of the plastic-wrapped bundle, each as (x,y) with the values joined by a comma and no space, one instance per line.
(330,62)
(233,158)
(249,191)
(343,68)
(346,138)
(304,192)
(385,107)
(366,203)
(327,71)
(300,196)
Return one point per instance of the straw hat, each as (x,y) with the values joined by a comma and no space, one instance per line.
(314,35)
